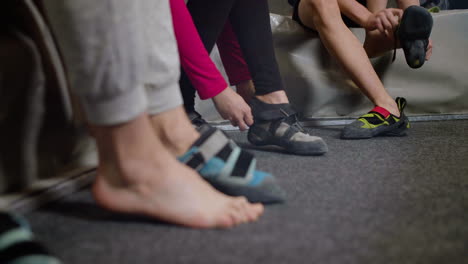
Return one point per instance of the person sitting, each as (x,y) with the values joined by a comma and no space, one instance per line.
(409,26)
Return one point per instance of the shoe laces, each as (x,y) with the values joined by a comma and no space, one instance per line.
(293,121)
(395,43)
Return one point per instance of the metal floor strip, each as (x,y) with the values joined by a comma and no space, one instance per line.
(318,122)
(46,191)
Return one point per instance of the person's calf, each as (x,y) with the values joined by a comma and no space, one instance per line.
(174,130)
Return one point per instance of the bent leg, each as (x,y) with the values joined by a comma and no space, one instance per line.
(250,21)
(325,17)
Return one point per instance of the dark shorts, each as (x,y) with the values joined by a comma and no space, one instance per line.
(348,22)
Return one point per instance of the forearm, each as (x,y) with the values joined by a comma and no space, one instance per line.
(375,6)
(355,11)
(403,4)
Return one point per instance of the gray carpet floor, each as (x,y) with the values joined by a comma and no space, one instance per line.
(383,200)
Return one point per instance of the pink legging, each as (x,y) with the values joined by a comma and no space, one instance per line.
(196,61)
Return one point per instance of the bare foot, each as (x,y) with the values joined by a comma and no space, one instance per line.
(137,175)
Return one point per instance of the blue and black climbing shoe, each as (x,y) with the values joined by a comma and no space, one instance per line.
(414,32)
(378,122)
(17,245)
(230,169)
(278,125)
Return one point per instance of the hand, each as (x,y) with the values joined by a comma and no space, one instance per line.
(232,107)
(384,21)
(429,50)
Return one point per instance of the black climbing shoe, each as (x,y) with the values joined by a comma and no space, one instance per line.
(413,32)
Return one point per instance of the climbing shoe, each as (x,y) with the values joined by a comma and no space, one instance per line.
(278,125)
(378,122)
(413,32)
(231,169)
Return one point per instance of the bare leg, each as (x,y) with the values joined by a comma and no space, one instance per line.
(403,4)
(137,175)
(174,130)
(325,17)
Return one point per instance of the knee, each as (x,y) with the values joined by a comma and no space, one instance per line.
(323,11)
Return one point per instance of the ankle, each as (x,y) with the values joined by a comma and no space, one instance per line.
(175,132)
(278,97)
(124,149)
(391,107)
(177,140)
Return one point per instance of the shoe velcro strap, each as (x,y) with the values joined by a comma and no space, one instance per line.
(293,128)
(239,168)
(214,143)
(211,142)
(8,223)
(13,236)
(380,110)
(22,249)
(273,114)
(243,164)
(290,133)
(268,112)
(373,118)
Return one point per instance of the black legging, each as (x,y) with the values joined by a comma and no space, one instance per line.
(250,21)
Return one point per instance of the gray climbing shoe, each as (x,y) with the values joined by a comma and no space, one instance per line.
(278,125)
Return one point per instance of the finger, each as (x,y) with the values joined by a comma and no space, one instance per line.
(233,121)
(380,26)
(396,12)
(242,126)
(240,123)
(392,18)
(386,23)
(429,51)
(248,118)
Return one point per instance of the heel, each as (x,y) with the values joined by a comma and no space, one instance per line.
(400,131)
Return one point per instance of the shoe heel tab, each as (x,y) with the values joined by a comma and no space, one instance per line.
(401,103)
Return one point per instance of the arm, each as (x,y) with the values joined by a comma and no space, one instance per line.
(194,58)
(377,5)
(355,11)
(383,19)
(202,72)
